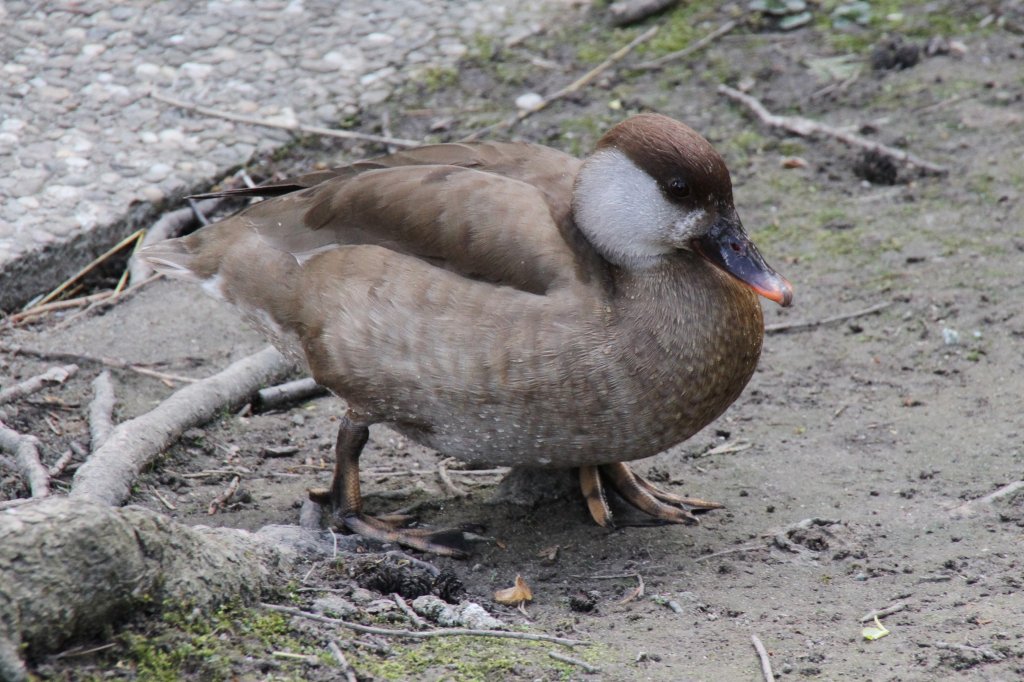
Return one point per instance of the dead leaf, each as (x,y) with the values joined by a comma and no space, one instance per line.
(517,594)
(549,553)
(637,592)
(794,162)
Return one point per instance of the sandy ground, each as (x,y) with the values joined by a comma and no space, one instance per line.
(882,427)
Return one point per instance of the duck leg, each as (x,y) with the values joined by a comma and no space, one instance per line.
(346,501)
(639,492)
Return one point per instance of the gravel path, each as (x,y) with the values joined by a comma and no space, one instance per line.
(85,153)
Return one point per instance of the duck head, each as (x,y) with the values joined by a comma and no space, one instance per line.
(654,186)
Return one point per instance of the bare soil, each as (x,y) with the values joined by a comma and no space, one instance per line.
(881,427)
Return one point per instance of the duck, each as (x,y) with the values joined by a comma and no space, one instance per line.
(506,304)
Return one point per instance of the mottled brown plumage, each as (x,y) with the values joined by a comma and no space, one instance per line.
(490,301)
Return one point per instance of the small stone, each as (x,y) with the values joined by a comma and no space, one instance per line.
(157,172)
(93,50)
(528,101)
(152,194)
(196,71)
(950,337)
(147,71)
(335,606)
(378,40)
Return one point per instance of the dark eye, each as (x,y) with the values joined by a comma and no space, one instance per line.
(678,188)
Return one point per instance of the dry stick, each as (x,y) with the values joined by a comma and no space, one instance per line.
(295,127)
(169,225)
(84,359)
(805,127)
(222,500)
(625,12)
(762,653)
(802,326)
(288,393)
(52,376)
(409,613)
(26,452)
(107,476)
(689,49)
(881,613)
(346,667)
(112,298)
(967,508)
(58,467)
(575,86)
(422,634)
(101,409)
(96,262)
(442,473)
(592,669)
(52,306)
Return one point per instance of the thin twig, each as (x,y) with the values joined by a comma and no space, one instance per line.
(222,500)
(25,449)
(968,508)
(591,669)
(637,593)
(115,297)
(442,473)
(762,654)
(881,613)
(53,306)
(163,500)
(339,656)
(813,324)
(733,550)
(578,84)
(689,49)
(92,265)
(58,467)
(805,127)
(84,359)
(295,127)
(101,409)
(409,613)
(422,634)
(52,376)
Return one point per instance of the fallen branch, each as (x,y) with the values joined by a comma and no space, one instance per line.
(882,613)
(84,359)
(805,127)
(813,324)
(294,127)
(101,409)
(590,669)
(578,84)
(108,474)
(26,452)
(762,654)
(969,507)
(170,224)
(51,377)
(655,64)
(222,500)
(421,634)
(625,12)
(108,300)
(289,393)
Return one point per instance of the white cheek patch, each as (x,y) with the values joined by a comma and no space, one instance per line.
(691,225)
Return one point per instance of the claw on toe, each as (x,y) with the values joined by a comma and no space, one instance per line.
(638,492)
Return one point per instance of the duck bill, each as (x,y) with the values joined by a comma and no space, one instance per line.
(727,246)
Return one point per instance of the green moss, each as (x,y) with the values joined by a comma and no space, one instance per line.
(436,78)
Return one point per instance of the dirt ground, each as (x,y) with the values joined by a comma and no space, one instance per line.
(881,427)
